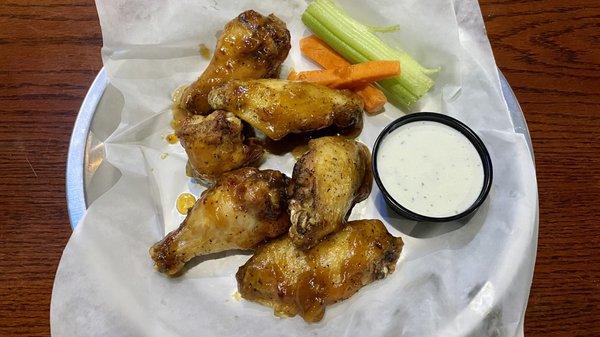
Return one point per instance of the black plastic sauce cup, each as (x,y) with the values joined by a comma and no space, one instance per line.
(455,124)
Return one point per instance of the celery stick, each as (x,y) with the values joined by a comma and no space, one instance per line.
(357,43)
(370,45)
(327,6)
(333,41)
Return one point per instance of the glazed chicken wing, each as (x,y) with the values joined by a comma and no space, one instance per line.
(251,46)
(243,209)
(293,281)
(215,144)
(327,181)
(280,107)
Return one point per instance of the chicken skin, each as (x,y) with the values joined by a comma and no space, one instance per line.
(251,46)
(280,107)
(243,209)
(293,281)
(327,181)
(215,144)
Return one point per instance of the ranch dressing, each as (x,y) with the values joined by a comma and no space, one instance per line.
(430,168)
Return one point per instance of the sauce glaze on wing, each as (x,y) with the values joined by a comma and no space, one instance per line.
(251,46)
(280,107)
(216,144)
(327,181)
(293,281)
(243,209)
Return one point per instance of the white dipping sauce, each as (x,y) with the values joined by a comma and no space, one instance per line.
(430,168)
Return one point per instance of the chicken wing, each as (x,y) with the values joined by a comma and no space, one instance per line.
(327,181)
(215,144)
(243,209)
(251,46)
(293,281)
(280,107)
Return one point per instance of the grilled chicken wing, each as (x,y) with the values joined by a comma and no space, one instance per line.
(251,46)
(327,181)
(243,209)
(280,107)
(215,144)
(293,281)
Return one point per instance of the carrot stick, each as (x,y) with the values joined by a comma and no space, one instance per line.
(361,74)
(318,51)
(353,76)
(323,77)
(373,98)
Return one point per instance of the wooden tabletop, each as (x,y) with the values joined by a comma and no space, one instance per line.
(548,49)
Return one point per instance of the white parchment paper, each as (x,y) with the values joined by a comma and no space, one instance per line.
(467,278)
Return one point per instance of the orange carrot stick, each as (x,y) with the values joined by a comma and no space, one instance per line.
(373,98)
(353,76)
(318,51)
(362,74)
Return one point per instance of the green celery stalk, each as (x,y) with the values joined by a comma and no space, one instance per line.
(357,43)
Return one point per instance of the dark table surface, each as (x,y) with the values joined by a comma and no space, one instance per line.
(548,49)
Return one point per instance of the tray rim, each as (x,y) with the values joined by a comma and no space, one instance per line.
(75,180)
(76,157)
